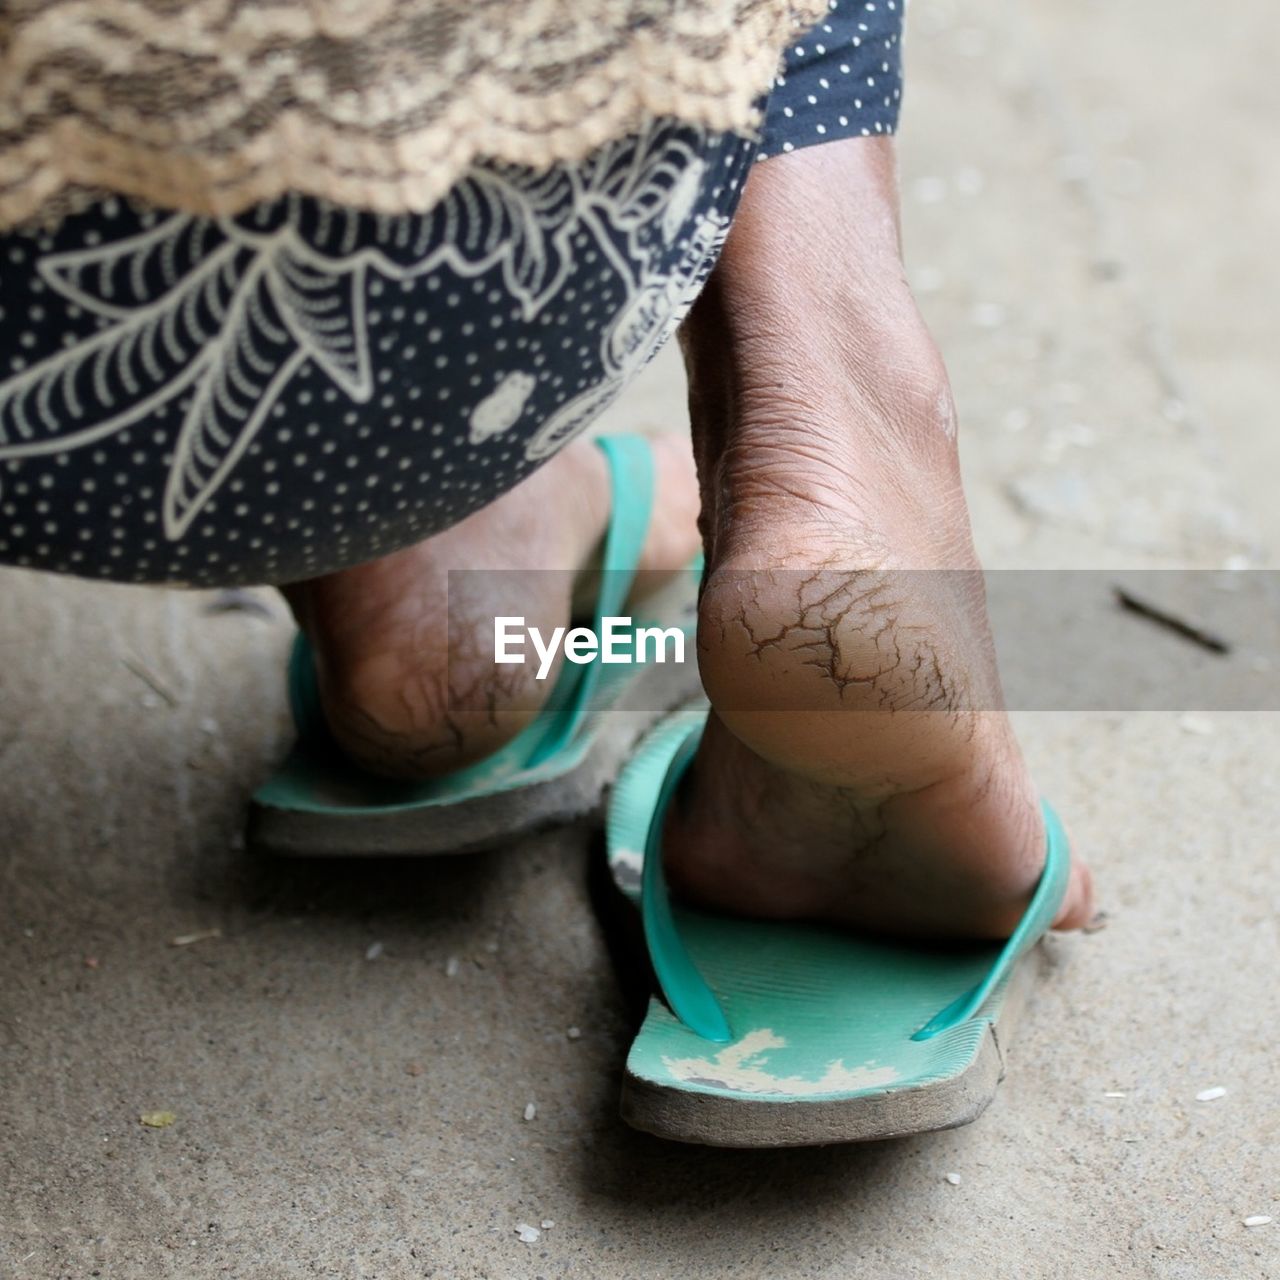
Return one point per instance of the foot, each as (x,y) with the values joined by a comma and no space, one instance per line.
(404,655)
(858,765)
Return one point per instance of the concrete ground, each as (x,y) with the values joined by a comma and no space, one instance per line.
(1089,213)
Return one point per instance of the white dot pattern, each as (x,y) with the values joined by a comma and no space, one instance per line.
(842,80)
(140,441)
(414,395)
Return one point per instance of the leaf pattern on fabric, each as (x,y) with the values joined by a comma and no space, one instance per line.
(227,312)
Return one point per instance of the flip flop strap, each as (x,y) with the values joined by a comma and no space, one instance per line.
(1035,923)
(631,495)
(637,811)
(303,688)
(686,990)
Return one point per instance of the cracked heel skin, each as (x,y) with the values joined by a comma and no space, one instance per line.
(319,803)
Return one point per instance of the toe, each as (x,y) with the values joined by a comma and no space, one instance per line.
(1077,907)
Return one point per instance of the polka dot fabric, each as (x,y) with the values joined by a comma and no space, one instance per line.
(843,80)
(304,387)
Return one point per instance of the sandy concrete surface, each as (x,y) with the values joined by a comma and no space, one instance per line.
(1089,198)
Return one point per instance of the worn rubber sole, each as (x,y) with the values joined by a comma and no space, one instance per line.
(744,1121)
(326,808)
(773,1033)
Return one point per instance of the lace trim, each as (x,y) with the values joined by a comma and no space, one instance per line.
(210,106)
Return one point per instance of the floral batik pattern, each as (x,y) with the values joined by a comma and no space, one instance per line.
(303,386)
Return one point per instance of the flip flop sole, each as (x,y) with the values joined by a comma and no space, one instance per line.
(952,1087)
(320,808)
(782,1033)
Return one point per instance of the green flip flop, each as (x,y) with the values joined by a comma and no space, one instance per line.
(778,1034)
(320,803)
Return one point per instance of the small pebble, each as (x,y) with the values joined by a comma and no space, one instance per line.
(209,725)
(988,315)
(530,1110)
(528,1234)
(1257,1220)
(157,1119)
(91,962)
(238,600)
(928,280)
(1211,1095)
(1114,1093)
(1195,724)
(548,1223)
(413,1068)
(1078,435)
(374,952)
(574,1033)
(451,967)
(200,935)
(930,190)
(952,1178)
